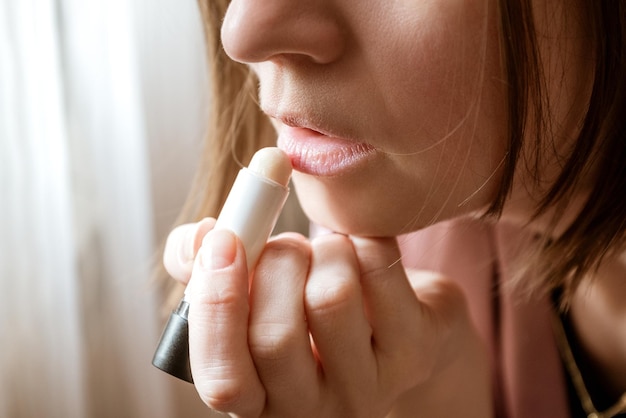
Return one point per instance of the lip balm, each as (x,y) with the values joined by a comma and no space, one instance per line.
(250,212)
(256,200)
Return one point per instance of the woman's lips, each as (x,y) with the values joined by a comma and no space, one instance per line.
(314,153)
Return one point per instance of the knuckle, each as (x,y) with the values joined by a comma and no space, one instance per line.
(447,302)
(223,299)
(453,297)
(286,249)
(333,284)
(333,244)
(284,256)
(328,299)
(440,295)
(225,386)
(271,341)
(220,395)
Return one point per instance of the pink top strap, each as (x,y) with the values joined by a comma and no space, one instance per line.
(528,376)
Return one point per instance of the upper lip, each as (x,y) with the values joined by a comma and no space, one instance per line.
(299,121)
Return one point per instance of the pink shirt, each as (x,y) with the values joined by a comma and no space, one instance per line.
(528,376)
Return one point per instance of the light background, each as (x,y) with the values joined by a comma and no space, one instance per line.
(102,106)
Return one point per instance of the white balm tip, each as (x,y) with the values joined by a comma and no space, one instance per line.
(271,163)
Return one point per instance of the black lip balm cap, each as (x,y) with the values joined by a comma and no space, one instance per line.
(172,353)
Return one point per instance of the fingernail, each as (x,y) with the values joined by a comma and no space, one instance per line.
(218,250)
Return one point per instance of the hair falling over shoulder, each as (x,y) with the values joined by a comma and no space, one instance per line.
(599,230)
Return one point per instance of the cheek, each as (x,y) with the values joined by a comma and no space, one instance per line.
(439,113)
(439,75)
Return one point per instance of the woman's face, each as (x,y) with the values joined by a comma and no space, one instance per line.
(393,112)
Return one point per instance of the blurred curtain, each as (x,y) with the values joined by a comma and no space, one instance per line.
(101,115)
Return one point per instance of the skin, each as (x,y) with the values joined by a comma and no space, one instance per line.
(433,109)
(350,332)
(386,353)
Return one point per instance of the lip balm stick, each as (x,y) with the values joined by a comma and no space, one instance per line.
(255,201)
(250,211)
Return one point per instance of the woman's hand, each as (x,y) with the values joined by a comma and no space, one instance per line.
(326,328)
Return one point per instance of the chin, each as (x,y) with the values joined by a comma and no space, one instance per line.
(343,225)
(359,211)
(353,219)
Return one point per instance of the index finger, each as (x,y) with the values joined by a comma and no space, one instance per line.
(222,367)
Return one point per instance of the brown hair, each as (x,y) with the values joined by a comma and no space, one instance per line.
(600,226)
(237,128)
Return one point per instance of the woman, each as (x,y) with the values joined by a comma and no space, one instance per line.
(498,121)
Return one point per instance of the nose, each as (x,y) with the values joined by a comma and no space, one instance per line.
(256,31)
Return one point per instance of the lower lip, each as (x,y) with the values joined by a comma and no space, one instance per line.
(320,155)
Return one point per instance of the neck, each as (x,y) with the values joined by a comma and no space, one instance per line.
(598,316)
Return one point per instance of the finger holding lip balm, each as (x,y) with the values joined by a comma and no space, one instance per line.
(250,211)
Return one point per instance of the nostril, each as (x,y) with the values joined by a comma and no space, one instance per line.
(254,32)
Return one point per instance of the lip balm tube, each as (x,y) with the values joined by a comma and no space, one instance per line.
(256,200)
(250,212)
